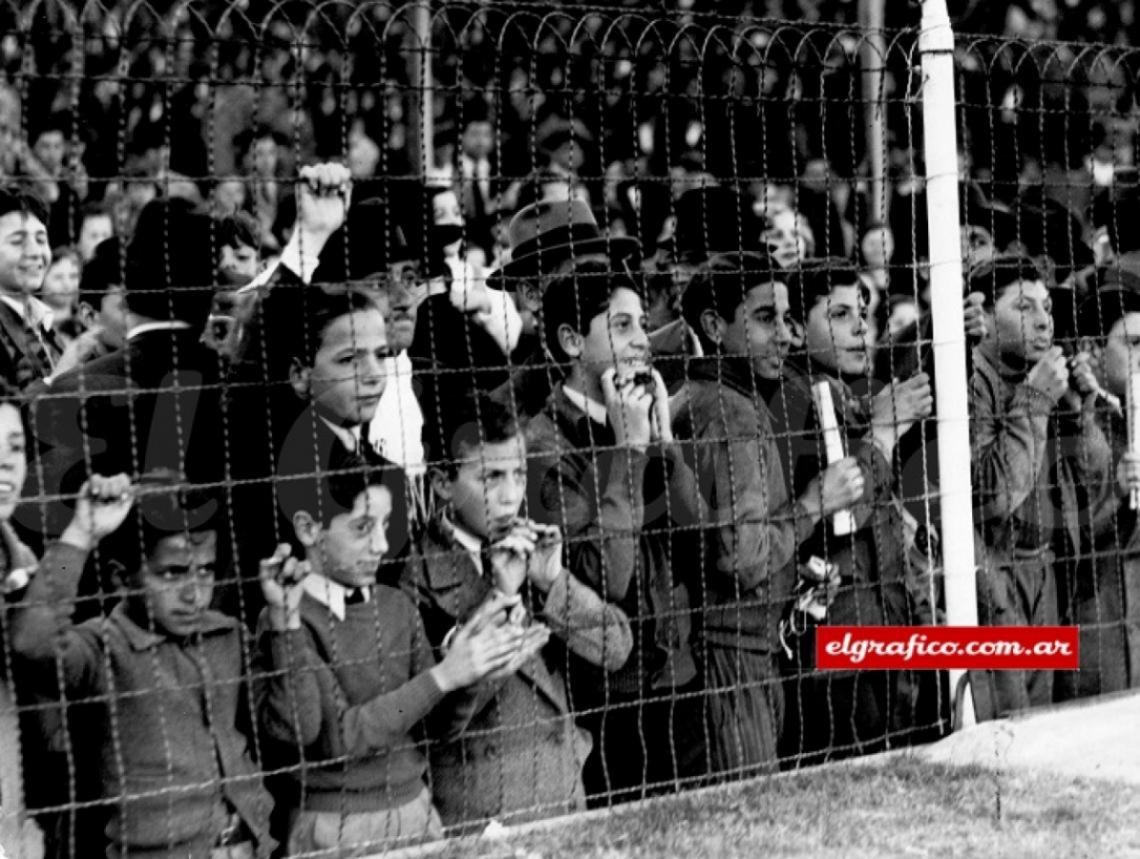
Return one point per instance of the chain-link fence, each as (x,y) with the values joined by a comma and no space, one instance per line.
(428,417)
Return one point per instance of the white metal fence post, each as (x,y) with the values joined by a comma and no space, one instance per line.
(940,145)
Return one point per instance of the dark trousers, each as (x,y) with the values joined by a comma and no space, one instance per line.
(1022,592)
(646,747)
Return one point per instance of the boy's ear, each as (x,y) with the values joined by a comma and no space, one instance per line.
(570,341)
(124,580)
(440,483)
(299,378)
(307,529)
(713,326)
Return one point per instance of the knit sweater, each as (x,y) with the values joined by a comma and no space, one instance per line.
(339,699)
(168,712)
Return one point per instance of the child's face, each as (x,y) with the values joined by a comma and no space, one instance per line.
(349,372)
(762,329)
(13,459)
(50,149)
(349,550)
(836,331)
(478,140)
(488,487)
(445,209)
(618,338)
(95,229)
(265,156)
(238,265)
(24,253)
(1023,320)
(61,286)
(177,582)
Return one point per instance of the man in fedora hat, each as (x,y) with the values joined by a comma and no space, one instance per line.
(547,240)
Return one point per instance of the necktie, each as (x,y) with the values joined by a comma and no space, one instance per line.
(355,596)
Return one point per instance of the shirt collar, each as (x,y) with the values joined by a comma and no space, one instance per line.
(34,312)
(349,436)
(466,540)
(332,595)
(172,325)
(596,411)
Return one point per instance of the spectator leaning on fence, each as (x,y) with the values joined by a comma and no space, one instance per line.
(1099,587)
(1035,443)
(604,468)
(348,674)
(521,757)
(856,711)
(755,525)
(166,672)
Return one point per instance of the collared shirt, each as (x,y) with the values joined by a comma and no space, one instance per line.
(596,411)
(349,436)
(34,312)
(173,325)
(333,595)
(473,544)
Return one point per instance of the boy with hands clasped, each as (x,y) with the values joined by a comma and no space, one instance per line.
(1039,459)
(350,673)
(606,470)
(521,756)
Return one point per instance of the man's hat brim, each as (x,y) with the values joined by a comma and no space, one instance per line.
(619,249)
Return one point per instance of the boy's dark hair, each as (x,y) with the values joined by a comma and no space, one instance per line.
(66,252)
(92,209)
(721,285)
(59,121)
(16,199)
(296,320)
(326,494)
(167,506)
(579,295)
(993,276)
(479,419)
(815,281)
(104,270)
(239,228)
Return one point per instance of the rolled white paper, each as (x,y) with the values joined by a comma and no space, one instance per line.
(842,522)
(1134,426)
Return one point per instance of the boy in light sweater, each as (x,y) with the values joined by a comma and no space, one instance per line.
(348,673)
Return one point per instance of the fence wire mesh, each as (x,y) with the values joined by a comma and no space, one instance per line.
(418,418)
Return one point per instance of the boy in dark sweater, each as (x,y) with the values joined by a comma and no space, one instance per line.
(739,307)
(162,676)
(349,673)
(606,470)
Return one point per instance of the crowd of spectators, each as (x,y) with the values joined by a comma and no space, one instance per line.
(359,485)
